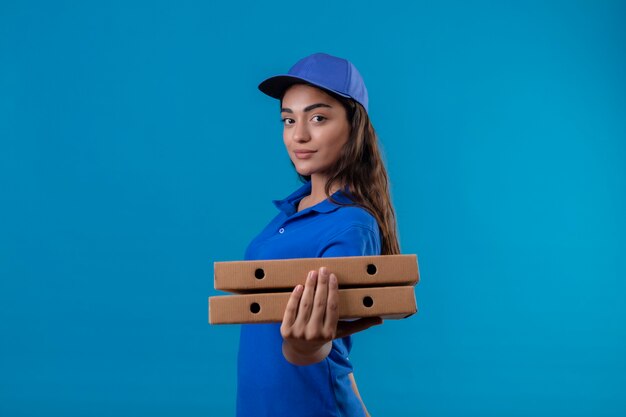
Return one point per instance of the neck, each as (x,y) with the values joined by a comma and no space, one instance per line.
(318,192)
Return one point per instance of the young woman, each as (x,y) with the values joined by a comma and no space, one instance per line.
(300,367)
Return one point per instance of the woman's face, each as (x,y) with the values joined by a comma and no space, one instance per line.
(315,128)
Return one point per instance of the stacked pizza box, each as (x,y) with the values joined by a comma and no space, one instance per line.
(369,286)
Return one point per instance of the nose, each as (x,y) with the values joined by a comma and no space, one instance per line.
(301,133)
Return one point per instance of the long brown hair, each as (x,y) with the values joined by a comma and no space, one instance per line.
(360,168)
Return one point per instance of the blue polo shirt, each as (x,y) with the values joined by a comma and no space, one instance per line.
(268,385)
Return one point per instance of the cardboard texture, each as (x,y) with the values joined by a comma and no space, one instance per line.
(354,271)
(386,302)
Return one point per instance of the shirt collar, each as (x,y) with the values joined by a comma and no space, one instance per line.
(289,204)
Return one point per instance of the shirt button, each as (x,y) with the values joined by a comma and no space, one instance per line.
(281,230)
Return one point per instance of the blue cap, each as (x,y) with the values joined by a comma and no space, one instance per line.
(328,72)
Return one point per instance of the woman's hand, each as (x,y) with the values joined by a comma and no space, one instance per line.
(311,320)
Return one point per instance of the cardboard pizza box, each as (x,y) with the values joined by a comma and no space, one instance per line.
(351,271)
(386,302)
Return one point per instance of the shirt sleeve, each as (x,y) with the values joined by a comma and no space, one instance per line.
(355,240)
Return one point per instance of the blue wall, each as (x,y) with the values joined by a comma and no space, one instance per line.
(136,150)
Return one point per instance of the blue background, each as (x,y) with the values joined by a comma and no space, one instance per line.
(136,150)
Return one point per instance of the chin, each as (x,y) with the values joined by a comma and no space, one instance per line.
(304,172)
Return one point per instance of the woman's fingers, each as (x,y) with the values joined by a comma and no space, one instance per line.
(312,312)
(319,301)
(332,306)
(306,302)
(292,307)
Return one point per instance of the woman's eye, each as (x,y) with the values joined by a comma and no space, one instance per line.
(319,118)
(287,121)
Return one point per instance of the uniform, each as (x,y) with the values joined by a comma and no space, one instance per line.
(268,385)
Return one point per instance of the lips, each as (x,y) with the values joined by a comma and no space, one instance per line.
(303,153)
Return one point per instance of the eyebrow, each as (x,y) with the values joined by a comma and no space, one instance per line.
(307,108)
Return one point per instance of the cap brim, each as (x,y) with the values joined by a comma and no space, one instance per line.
(277,85)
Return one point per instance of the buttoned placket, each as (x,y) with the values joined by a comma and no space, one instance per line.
(292,217)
